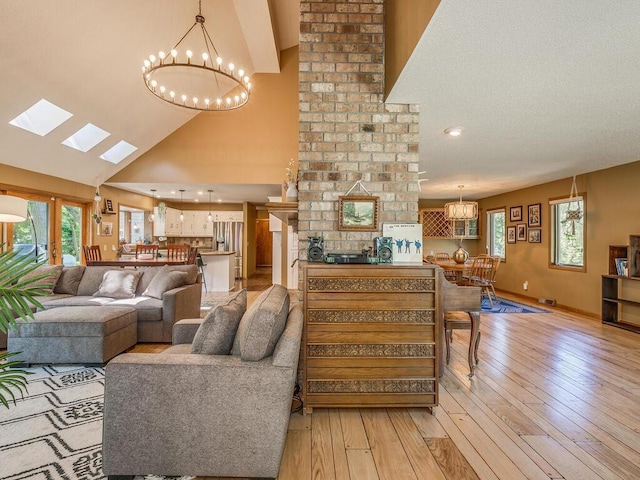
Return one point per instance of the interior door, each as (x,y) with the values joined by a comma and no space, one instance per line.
(264,244)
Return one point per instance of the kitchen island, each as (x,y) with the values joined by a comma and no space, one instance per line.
(219,272)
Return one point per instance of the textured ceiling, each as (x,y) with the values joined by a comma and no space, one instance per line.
(543,90)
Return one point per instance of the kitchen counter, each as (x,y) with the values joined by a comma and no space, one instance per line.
(219,271)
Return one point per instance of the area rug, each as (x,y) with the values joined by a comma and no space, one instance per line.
(55,431)
(508,306)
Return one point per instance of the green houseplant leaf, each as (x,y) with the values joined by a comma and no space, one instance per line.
(18,297)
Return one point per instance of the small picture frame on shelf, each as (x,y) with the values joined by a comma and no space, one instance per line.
(515,214)
(521,232)
(108,206)
(622,267)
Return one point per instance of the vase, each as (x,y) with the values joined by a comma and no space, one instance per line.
(292,193)
(460,255)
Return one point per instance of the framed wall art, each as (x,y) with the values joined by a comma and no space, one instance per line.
(511,234)
(515,214)
(535,235)
(107,229)
(534,218)
(358,213)
(521,232)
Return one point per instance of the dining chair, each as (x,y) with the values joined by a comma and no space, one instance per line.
(146,250)
(92,253)
(461,308)
(480,276)
(193,256)
(178,252)
(443,257)
(494,270)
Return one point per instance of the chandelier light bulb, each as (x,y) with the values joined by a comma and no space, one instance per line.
(144,69)
(205,57)
(184,98)
(152,58)
(243,95)
(206,102)
(219,102)
(161,54)
(231,66)
(174,53)
(162,89)
(189,55)
(147,63)
(195,100)
(228,100)
(154,84)
(172,94)
(219,60)
(241,73)
(236,98)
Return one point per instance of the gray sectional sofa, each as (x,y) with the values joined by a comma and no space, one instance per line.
(156,305)
(215,404)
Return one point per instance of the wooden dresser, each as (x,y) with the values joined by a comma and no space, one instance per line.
(372,335)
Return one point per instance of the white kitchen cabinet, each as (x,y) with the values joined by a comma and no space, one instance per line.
(158,224)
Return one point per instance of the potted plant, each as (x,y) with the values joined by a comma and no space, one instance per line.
(17,297)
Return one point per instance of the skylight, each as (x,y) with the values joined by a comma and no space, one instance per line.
(86,138)
(118,152)
(41,118)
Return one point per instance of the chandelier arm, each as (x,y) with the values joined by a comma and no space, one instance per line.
(185,35)
(205,32)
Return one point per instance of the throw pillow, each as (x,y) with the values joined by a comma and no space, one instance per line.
(69,280)
(215,334)
(118,284)
(165,280)
(262,324)
(52,273)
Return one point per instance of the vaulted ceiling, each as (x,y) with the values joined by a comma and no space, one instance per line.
(543,90)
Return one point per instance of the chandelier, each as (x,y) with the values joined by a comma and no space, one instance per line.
(461,210)
(205,84)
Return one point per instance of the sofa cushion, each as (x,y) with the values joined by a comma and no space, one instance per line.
(165,280)
(148,309)
(118,284)
(76,322)
(71,301)
(149,273)
(69,280)
(262,324)
(92,279)
(52,273)
(216,333)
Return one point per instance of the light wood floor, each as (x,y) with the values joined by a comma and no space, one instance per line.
(555,395)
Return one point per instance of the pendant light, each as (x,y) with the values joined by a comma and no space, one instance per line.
(210,217)
(181,212)
(152,215)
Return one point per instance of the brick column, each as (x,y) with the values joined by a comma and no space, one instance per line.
(346,132)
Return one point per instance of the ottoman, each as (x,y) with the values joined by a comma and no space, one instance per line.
(87,335)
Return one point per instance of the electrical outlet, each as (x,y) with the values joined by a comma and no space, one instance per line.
(105,247)
(113,248)
(525,285)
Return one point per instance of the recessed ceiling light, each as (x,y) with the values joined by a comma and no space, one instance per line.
(86,138)
(196,200)
(41,118)
(173,192)
(118,152)
(454,131)
(200,193)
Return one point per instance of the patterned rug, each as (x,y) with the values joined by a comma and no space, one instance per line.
(55,432)
(508,306)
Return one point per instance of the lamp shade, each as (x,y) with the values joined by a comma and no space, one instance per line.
(12,209)
(461,210)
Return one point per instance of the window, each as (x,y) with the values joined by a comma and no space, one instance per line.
(567,232)
(496,222)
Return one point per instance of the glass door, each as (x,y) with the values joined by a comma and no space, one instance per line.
(71,239)
(33,235)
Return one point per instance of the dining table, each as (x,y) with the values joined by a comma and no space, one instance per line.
(136,262)
(459,269)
